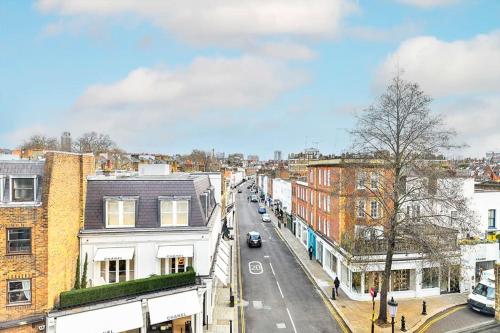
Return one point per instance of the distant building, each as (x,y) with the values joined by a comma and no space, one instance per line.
(277,155)
(66,141)
(493,157)
(253,158)
(297,162)
(235,160)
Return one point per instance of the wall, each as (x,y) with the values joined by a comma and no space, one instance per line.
(67,177)
(282,190)
(481,202)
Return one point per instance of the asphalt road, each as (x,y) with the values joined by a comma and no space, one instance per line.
(277,294)
(460,319)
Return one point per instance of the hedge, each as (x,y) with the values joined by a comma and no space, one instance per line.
(77,297)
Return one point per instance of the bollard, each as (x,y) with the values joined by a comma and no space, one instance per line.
(424,308)
(230,326)
(231,297)
(403,324)
(333,293)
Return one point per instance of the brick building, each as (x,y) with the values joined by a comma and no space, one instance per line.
(41,212)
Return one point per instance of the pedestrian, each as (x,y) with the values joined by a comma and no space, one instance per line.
(336,282)
(310,252)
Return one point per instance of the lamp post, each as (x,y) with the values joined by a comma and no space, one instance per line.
(393,309)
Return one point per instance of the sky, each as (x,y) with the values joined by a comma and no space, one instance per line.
(250,76)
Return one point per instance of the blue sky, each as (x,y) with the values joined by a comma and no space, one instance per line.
(250,76)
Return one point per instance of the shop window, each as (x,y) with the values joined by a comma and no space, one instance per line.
(19,291)
(175,265)
(356,282)
(344,275)
(430,277)
(373,280)
(331,261)
(400,280)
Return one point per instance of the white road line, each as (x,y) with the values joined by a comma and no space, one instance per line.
(272,269)
(280,289)
(290,316)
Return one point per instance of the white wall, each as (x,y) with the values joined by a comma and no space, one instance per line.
(282,190)
(482,201)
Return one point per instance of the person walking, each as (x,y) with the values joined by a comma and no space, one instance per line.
(310,252)
(336,282)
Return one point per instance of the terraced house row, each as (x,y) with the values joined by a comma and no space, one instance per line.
(89,252)
(342,200)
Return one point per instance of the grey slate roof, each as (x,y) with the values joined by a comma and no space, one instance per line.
(148,190)
(22,168)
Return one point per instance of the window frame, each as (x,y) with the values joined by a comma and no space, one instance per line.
(174,209)
(494,225)
(374,178)
(433,274)
(11,188)
(22,290)
(18,252)
(2,185)
(120,200)
(378,213)
(361,177)
(130,271)
(358,206)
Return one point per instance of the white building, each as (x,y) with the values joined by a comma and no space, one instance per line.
(142,226)
(282,191)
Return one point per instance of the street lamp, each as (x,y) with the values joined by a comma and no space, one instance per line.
(393,309)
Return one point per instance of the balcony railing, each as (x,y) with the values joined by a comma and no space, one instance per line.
(107,292)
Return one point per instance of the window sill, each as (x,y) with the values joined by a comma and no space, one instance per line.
(11,305)
(13,254)
(20,204)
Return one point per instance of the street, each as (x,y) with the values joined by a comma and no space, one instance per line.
(460,319)
(277,294)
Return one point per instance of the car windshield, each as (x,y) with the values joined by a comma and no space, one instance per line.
(485,291)
(254,237)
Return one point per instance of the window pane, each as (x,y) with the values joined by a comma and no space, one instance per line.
(19,291)
(112,271)
(181,264)
(19,240)
(131,269)
(182,218)
(166,207)
(182,206)
(122,270)
(23,189)
(113,212)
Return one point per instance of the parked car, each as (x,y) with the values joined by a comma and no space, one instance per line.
(266,217)
(254,198)
(482,298)
(239,190)
(262,210)
(254,239)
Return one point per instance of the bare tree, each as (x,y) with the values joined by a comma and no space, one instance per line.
(40,141)
(95,143)
(420,203)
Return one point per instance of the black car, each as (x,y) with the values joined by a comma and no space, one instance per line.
(239,190)
(254,239)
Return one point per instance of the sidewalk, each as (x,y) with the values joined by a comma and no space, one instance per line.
(357,314)
(223,313)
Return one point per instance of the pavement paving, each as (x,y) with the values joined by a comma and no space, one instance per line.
(277,294)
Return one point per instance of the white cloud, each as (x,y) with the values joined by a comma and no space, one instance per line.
(447,68)
(476,121)
(375,34)
(160,99)
(226,21)
(286,51)
(428,3)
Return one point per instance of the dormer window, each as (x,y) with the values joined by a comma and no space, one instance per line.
(120,212)
(174,211)
(23,189)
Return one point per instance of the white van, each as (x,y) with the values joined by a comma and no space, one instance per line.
(482,298)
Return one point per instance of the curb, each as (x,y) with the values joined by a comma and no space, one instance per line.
(429,321)
(477,328)
(344,324)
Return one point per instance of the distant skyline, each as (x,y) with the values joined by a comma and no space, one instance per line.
(249,76)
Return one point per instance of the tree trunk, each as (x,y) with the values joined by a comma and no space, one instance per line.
(382,315)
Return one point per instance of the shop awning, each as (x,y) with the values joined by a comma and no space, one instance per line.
(185,251)
(222,262)
(173,306)
(116,318)
(114,253)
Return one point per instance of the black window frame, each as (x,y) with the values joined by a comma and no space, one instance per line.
(8,241)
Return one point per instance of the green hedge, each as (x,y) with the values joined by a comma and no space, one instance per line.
(78,297)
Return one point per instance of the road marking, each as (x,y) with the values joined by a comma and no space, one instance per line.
(280,289)
(255,267)
(333,311)
(280,325)
(266,257)
(257,304)
(272,269)
(432,321)
(290,316)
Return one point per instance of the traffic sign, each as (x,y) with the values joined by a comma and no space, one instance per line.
(373,292)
